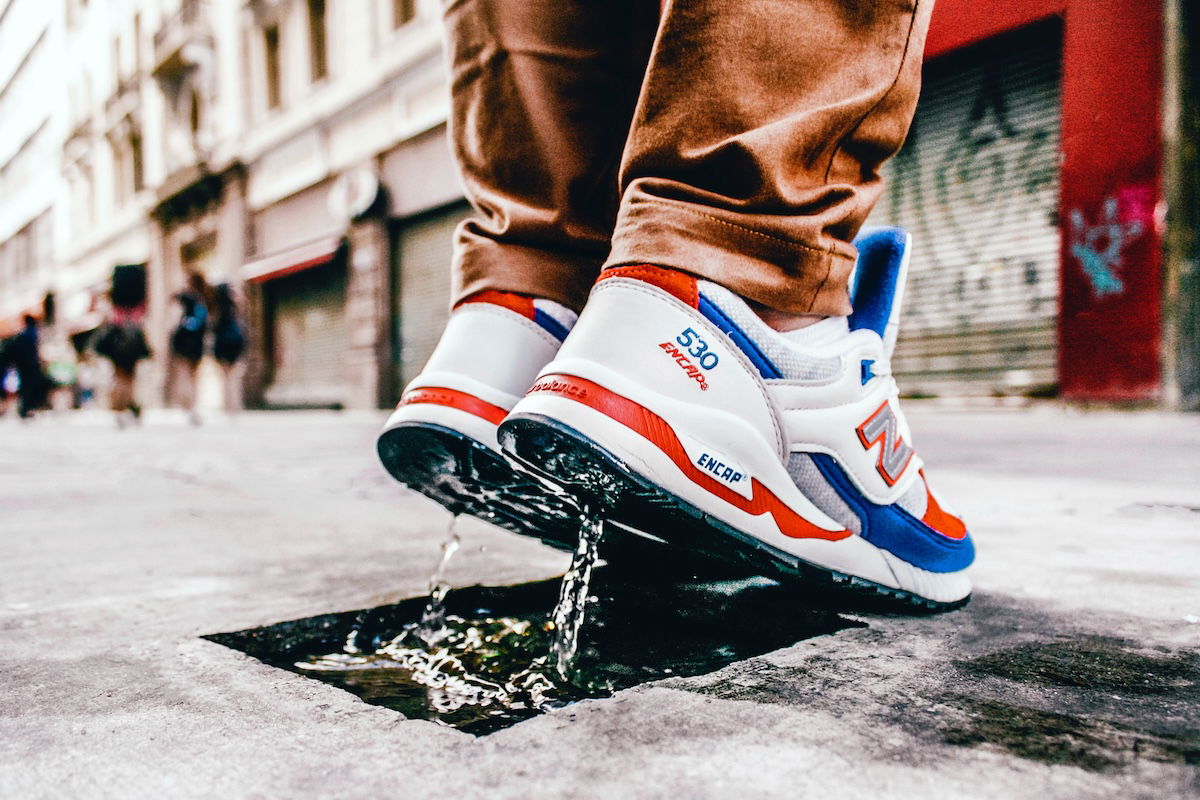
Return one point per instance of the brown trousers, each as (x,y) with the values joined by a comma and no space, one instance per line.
(739,140)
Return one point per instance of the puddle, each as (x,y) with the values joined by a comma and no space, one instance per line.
(492,666)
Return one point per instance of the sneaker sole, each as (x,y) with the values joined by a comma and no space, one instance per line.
(467,477)
(567,458)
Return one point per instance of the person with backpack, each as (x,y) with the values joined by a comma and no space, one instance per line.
(229,342)
(122,340)
(24,352)
(5,366)
(187,343)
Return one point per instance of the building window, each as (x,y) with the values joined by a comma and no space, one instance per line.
(271,49)
(120,174)
(317,39)
(403,11)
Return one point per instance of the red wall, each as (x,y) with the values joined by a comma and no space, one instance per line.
(1110,323)
(1110,306)
(957,23)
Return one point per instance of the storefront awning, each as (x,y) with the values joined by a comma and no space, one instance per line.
(297,259)
(14,323)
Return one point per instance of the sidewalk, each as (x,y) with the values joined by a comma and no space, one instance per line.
(1075,671)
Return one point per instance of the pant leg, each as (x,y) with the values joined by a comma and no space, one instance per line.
(756,145)
(121,393)
(542,92)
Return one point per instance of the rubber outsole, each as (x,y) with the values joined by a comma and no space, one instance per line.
(467,477)
(567,458)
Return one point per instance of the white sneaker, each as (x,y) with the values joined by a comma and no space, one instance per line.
(441,439)
(693,420)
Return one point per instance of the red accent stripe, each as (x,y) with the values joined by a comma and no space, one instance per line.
(671,281)
(455,399)
(656,430)
(939,519)
(513,302)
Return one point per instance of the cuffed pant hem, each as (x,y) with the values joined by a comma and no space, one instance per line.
(780,273)
(562,277)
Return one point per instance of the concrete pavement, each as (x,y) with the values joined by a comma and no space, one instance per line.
(1074,672)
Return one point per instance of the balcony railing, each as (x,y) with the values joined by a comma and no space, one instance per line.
(127,92)
(189,25)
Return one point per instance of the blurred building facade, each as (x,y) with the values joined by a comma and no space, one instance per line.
(297,149)
(32,127)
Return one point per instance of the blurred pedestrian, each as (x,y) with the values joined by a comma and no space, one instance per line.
(229,342)
(122,340)
(187,343)
(5,367)
(26,358)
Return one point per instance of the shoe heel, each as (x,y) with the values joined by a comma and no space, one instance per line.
(643,343)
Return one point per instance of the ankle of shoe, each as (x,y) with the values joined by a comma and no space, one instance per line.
(554,317)
(806,330)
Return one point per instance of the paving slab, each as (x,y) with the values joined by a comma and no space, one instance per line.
(1074,672)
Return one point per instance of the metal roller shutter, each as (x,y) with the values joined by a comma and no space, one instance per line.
(309,337)
(424,248)
(977,185)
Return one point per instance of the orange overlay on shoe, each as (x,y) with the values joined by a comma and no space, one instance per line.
(673,282)
(522,304)
(939,519)
(453,398)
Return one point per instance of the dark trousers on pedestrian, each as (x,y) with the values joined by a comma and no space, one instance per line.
(32,393)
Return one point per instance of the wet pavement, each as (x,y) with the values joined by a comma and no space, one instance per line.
(1073,673)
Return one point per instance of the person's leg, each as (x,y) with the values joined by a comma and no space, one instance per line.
(542,96)
(678,400)
(191,373)
(26,398)
(121,394)
(755,149)
(542,92)
(232,372)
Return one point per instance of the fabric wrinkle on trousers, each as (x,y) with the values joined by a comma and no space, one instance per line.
(749,138)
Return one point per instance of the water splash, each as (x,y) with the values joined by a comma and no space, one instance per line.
(570,612)
(473,672)
(433,621)
(478,674)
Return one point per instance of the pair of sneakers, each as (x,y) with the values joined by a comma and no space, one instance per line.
(673,409)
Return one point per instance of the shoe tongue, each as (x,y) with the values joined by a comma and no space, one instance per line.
(879,280)
(820,334)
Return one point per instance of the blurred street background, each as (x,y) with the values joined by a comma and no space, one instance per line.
(296,150)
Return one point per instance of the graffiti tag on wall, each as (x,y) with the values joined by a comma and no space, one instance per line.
(1099,246)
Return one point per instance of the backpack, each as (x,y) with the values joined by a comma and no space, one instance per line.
(122,344)
(187,340)
(228,340)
